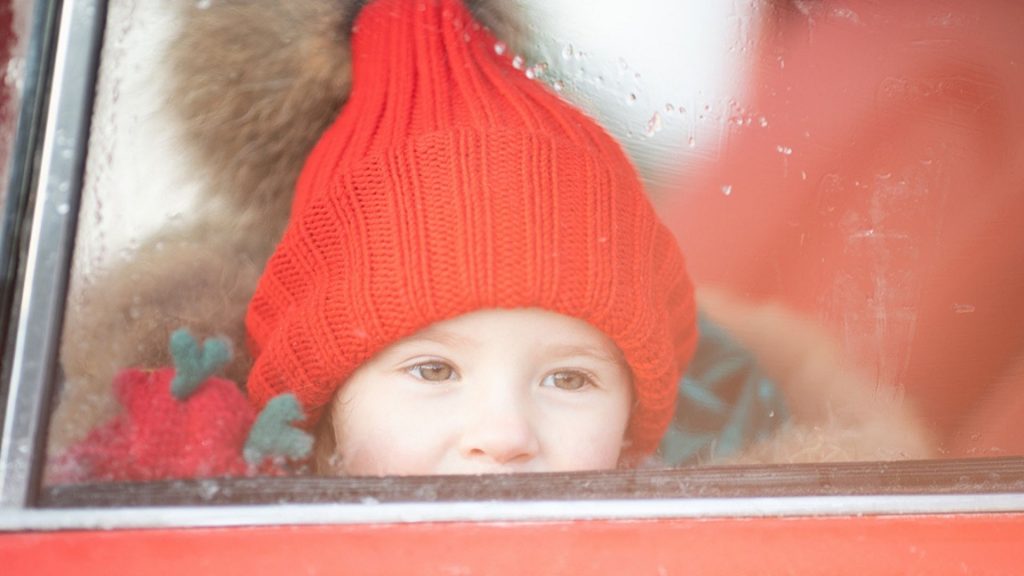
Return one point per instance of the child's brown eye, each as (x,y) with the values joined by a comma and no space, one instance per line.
(567,380)
(433,371)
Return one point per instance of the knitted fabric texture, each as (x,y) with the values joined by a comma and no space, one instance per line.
(452,183)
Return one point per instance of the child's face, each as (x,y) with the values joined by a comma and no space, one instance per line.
(491,391)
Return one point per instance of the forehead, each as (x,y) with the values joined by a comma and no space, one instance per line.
(523,326)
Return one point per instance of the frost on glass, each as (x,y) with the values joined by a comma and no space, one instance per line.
(843,178)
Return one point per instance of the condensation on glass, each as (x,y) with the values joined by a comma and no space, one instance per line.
(843,176)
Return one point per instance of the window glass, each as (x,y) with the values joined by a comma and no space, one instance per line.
(842,177)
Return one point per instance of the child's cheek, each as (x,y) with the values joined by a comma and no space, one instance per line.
(596,451)
(590,438)
(383,430)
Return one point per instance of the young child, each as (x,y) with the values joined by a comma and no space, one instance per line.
(472,279)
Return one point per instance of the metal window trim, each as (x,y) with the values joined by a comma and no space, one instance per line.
(505,511)
(37,39)
(54,220)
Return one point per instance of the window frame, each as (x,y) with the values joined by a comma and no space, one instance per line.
(33,367)
(46,259)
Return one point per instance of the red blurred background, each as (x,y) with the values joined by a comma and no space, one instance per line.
(885,198)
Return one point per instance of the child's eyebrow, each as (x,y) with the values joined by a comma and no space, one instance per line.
(596,352)
(444,338)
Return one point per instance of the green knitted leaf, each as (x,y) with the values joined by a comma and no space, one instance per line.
(192,364)
(272,435)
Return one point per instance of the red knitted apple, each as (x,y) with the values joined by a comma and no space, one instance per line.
(184,423)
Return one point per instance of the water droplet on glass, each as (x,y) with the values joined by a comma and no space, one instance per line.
(727,189)
(568,52)
(208,489)
(654,124)
(335,463)
(692,142)
(558,86)
(846,14)
(631,98)
(669,107)
(63,209)
(763,122)
(784,150)
(14,73)
(499,48)
(517,62)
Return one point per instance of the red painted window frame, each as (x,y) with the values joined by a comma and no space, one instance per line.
(929,544)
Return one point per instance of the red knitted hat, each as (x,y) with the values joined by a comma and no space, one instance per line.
(452,183)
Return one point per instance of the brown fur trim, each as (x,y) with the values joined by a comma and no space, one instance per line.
(838,413)
(254,84)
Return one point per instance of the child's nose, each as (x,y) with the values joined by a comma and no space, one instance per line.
(499,432)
